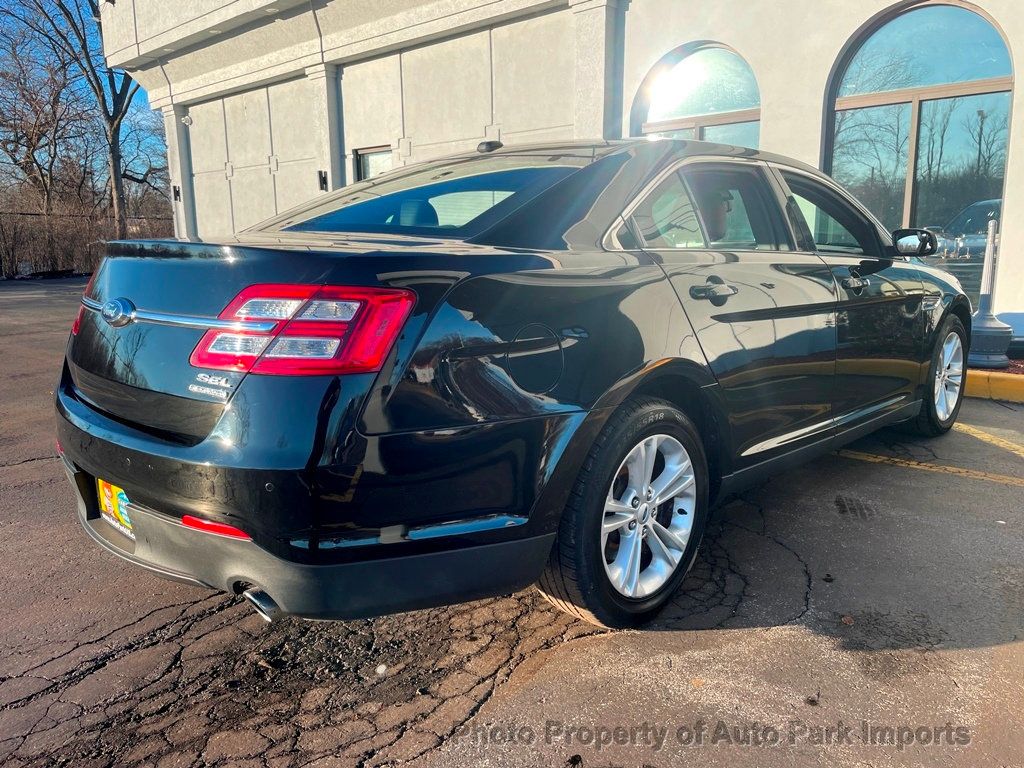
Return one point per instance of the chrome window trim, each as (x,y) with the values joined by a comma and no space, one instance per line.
(609,238)
(189,321)
(884,235)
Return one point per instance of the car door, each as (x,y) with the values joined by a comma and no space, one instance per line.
(762,311)
(879,323)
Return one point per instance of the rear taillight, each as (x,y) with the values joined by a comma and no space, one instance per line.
(77,324)
(319,330)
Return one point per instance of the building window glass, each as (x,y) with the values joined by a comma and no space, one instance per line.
(707,93)
(372,162)
(921,139)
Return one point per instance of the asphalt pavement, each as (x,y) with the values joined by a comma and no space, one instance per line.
(866,609)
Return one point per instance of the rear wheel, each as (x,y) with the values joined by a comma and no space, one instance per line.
(946,380)
(631,529)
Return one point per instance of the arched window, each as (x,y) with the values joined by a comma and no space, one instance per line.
(919,129)
(705,92)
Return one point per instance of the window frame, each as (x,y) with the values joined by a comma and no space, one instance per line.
(801,228)
(358,154)
(775,198)
(700,122)
(637,232)
(913,96)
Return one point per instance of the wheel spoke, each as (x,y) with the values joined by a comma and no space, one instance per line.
(948,348)
(617,506)
(672,482)
(669,537)
(615,521)
(661,551)
(631,570)
(636,463)
(650,456)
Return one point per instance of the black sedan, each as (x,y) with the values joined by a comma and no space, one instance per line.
(539,364)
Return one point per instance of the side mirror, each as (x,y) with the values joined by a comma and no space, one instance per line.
(915,242)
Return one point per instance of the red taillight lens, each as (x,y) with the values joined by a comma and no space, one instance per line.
(319,330)
(220,529)
(76,326)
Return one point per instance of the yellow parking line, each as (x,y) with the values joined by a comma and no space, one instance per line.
(911,464)
(988,437)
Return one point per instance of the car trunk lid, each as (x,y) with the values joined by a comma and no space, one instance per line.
(154,306)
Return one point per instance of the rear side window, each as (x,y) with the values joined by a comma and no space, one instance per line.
(736,208)
(454,199)
(667,218)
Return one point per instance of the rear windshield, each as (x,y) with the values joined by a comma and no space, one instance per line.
(455,199)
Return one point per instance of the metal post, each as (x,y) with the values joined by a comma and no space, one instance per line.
(990,337)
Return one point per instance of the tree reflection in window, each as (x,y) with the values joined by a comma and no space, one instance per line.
(919,134)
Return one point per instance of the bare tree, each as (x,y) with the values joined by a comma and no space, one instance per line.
(987,129)
(72,31)
(40,115)
(935,120)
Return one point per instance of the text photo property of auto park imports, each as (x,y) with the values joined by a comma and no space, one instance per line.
(511,383)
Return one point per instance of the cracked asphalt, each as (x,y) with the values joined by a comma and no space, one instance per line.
(867,613)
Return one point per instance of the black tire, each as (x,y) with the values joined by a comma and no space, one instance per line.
(575,580)
(928,422)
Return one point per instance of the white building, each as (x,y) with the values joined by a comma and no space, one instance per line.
(270,102)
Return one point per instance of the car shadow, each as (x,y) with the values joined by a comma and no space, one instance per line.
(879,556)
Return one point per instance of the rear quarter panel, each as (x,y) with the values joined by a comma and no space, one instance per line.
(537,342)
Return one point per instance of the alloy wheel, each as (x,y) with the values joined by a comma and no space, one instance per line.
(648,516)
(949,374)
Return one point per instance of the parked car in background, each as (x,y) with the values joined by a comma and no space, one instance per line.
(961,243)
(539,364)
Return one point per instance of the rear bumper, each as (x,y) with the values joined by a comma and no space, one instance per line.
(337,591)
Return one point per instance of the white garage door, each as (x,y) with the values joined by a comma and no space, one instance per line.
(252,156)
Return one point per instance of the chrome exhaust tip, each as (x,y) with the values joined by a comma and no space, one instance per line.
(263,604)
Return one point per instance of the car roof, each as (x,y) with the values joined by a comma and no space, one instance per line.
(607,147)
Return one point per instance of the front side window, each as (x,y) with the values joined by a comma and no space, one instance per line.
(451,198)
(834,225)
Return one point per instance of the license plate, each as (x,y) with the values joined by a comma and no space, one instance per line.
(114,507)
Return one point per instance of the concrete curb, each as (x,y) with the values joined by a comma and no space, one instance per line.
(995,385)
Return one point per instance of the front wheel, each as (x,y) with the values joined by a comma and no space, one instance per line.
(946,380)
(632,526)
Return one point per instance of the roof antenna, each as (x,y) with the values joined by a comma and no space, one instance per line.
(488,146)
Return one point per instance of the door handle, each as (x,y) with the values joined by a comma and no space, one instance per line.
(855,283)
(713,291)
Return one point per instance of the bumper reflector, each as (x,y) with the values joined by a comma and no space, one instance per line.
(218,529)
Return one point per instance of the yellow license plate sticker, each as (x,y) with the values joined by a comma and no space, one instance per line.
(114,507)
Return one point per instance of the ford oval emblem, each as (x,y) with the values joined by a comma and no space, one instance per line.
(118,312)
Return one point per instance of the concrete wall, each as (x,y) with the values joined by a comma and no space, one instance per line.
(258,149)
(449,96)
(251,156)
(279,90)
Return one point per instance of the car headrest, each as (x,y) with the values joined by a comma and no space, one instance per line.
(417,213)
